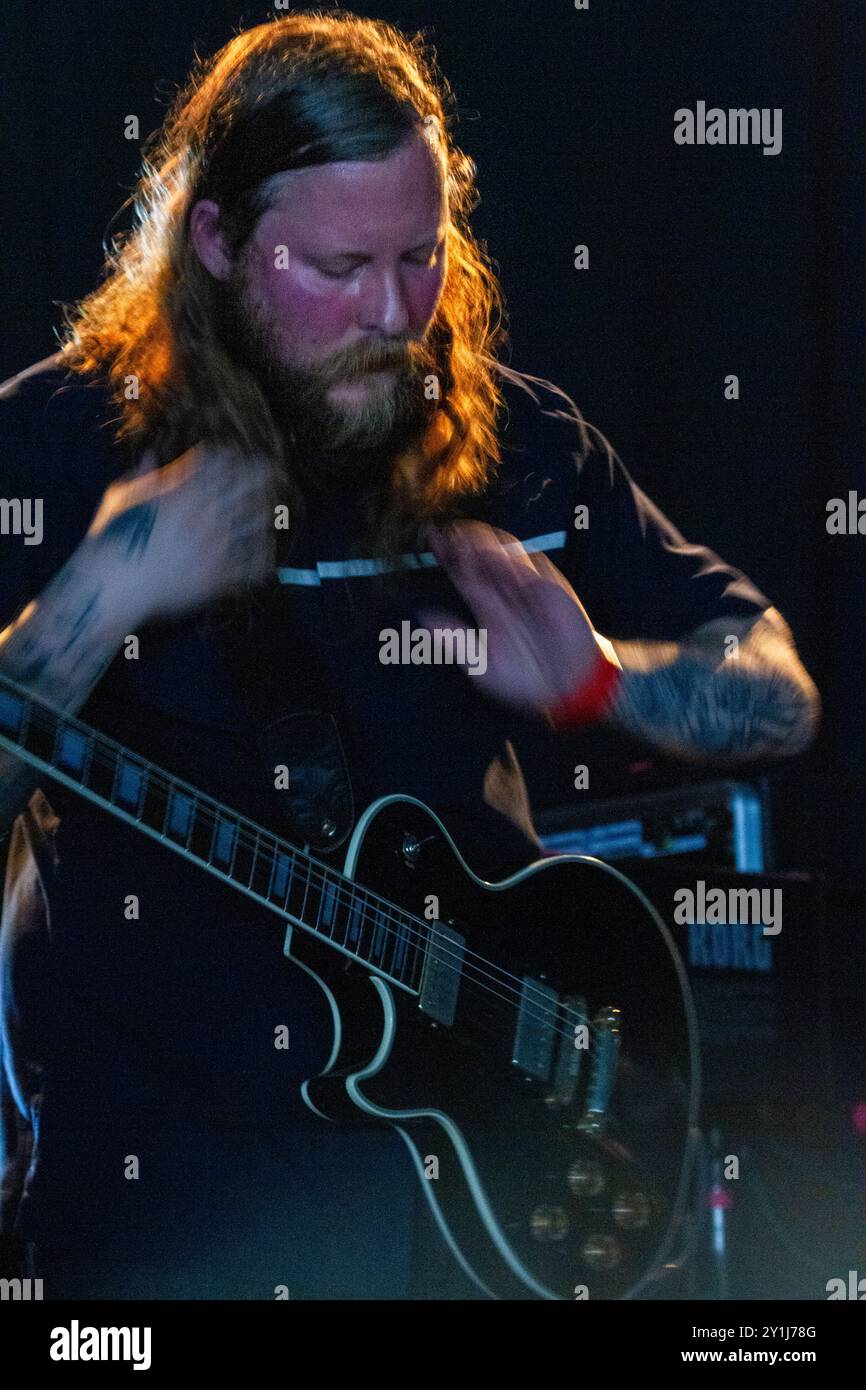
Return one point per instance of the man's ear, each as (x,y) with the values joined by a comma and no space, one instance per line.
(208,239)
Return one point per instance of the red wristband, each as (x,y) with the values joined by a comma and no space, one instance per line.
(590,700)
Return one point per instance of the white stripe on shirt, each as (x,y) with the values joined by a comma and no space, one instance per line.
(357,569)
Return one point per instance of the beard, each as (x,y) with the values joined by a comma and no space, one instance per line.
(328,442)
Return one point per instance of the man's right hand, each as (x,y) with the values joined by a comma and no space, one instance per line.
(166,541)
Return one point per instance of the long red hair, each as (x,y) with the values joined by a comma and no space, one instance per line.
(304,89)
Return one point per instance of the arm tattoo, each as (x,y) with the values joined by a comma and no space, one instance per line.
(58,646)
(693,699)
(131,530)
(58,656)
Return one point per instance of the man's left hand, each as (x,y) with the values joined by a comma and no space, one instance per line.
(540,642)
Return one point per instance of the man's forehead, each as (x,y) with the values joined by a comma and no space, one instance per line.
(408,178)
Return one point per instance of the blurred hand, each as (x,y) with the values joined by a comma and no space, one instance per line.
(540,641)
(166,541)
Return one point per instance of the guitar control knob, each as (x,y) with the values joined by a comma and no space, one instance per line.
(585,1178)
(411,848)
(631,1210)
(601,1252)
(549,1223)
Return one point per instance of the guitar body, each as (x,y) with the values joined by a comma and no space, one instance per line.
(533,1041)
(553,1153)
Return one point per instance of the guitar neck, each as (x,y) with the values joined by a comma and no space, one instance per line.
(314,897)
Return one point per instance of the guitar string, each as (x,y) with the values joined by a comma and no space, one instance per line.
(154,776)
(156,779)
(104,749)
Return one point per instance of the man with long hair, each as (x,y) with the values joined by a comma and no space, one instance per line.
(275,430)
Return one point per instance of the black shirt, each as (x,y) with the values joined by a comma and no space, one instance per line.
(153,1039)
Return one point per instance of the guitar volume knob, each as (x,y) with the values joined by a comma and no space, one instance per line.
(549,1223)
(601,1252)
(631,1210)
(585,1178)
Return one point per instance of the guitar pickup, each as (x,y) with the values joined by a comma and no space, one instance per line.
(605,1053)
(570,1056)
(443,971)
(537,1020)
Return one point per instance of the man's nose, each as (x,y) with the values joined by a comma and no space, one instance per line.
(385,307)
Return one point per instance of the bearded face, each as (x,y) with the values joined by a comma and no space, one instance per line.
(331,301)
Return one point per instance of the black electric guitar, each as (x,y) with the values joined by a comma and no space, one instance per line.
(532,1041)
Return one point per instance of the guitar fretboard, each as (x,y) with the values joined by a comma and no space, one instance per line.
(315,897)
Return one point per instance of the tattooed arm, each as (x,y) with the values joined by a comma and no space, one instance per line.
(708,696)
(164,542)
(58,647)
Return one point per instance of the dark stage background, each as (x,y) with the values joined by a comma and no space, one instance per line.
(704,261)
